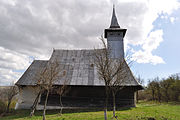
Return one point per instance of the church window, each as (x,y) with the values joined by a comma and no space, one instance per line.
(92,65)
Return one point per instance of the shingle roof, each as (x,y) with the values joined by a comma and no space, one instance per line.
(29,76)
(80,68)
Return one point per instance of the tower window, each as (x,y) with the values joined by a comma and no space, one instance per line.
(92,65)
(73,59)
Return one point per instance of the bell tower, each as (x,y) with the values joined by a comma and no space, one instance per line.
(115,35)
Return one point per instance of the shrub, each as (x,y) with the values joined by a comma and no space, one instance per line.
(2,106)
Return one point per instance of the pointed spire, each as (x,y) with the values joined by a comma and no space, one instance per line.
(114,22)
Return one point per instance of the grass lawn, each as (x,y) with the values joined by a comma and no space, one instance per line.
(143,111)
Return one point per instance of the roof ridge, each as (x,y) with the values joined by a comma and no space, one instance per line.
(41,60)
(74,49)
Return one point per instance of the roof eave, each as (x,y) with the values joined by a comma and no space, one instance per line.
(114,30)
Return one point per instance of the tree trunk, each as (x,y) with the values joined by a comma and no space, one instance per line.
(114,104)
(44,111)
(167,96)
(33,108)
(106,104)
(60,100)
(105,113)
(153,94)
(8,105)
(159,99)
(137,97)
(159,96)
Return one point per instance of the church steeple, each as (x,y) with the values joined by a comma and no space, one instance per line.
(114,26)
(115,35)
(114,21)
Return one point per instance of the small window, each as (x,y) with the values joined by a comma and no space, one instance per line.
(73,59)
(92,65)
(64,72)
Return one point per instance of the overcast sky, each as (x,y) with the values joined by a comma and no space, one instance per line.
(30,29)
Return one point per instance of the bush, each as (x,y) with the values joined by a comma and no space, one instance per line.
(164,90)
(2,106)
(179,99)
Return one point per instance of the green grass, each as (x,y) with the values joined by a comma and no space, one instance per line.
(143,111)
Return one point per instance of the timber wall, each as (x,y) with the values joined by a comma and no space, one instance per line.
(91,96)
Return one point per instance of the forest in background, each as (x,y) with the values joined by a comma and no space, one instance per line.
(161,90)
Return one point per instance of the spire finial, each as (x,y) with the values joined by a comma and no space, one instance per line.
(114,22)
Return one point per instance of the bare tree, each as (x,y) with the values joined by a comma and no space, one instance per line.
(62,90)
(118,81)
(10,92)
(110,71)
(33,107)
(158,89)
(47,77)
(103,64)
(152,88)
(166,85)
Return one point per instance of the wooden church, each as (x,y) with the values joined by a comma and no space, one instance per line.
(86,89)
